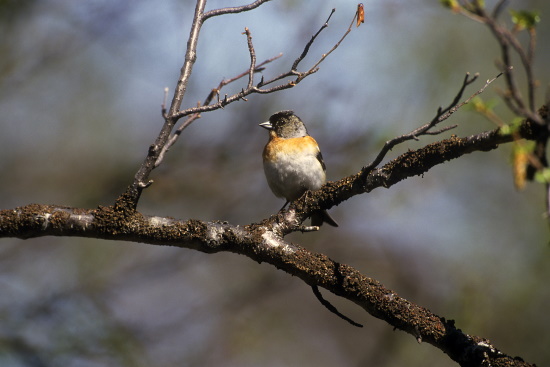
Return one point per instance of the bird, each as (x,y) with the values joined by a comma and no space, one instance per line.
(293,162)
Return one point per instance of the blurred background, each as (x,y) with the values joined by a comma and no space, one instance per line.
(81,88)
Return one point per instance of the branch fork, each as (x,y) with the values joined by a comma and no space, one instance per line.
(171,116)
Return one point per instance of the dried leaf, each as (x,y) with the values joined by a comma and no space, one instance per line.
(360,14)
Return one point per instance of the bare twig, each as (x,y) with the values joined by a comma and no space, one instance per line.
(308,45)
(215,92)
(331,307)
(233,10)
(190,58)
(441,115)
(315,67)
(258,88)
(499,8)
(301,75)
(252,58)
(440,131)
(453,109)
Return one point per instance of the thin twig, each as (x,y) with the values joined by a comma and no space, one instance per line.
(324,56)
(441,115)
(499,8)
(508,41)
(442,130)
(258,88)
(233,10)
(252,58)
(214,92)
(466,101)
(293,69)
(190,58)
(308,45)
(331,308)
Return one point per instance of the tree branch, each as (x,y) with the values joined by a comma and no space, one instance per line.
(506,39)
(410,164)
(441,115)
(234,10)
(261,243)
(141,178)
(165,139)
(215,92)
(510,44)
(264,242)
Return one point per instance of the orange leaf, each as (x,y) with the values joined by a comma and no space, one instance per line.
(360,14)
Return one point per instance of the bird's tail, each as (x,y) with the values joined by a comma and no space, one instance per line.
(321,216)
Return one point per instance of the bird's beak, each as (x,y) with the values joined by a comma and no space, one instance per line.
(266,125)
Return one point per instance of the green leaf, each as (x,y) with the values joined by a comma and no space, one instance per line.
(476,104)
(543,176)
(513,127)
(451,4)
(492,103)
(525,19)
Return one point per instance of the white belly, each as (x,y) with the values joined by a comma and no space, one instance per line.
(290,178)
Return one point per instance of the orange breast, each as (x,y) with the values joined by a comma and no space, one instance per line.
(290,147)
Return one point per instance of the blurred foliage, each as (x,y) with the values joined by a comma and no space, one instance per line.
(524,19)
(81,84)
(520,157)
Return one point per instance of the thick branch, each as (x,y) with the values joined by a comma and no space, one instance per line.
(261,244)
(264,242)
(409,164)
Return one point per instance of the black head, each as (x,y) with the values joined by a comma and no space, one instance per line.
(286,125)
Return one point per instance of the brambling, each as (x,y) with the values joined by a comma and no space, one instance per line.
(293,162)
